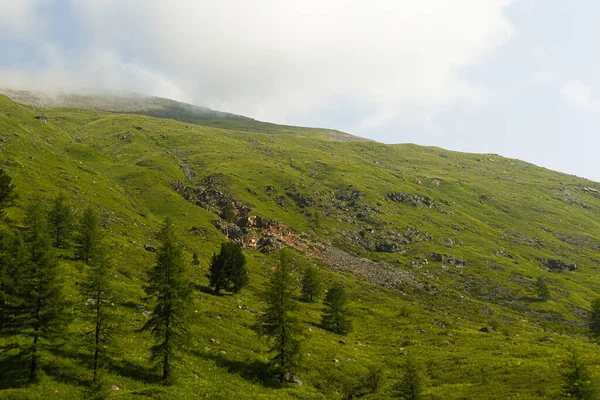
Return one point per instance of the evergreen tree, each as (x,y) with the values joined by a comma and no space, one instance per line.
(12,260)
(7,192)
(541,289)
(169,286)
(195,259)
(89,235)
(312,283)
(217,277)
(39,314)
(227,270)
(594,323)
(61,221)
(278,324)
(228,213)
(98,291)
(336,313)
(578,380)
(410,387)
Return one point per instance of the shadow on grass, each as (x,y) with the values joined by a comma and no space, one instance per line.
(209,290)
(527,299)
(254,371)
(118,367)
(204,289)
(14,373)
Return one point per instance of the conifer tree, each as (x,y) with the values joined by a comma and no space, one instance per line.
(312,283)
(98,291)
(594,323)
(410,387)
(40,312)
(541,289)
(169,286)
(336,313)
(227,270)
(61,221)
(7,192)
(278,324)
(578,380)
(89,235)
(12,260)
(195,259)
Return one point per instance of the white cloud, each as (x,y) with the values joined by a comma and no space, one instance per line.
(580,95)
(19,17)
(271,59)
(544,77)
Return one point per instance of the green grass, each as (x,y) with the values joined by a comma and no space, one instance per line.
(503,216)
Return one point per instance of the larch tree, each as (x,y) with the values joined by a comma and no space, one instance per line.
(40,313)
(12,254)
(61,221)
(541,289)
(578,381)
(279,325)
(7,192)
(594,322)
(169,287)
(89,235)
(312,284)
(410,386)
(98,292)
(13,257)
(336,314)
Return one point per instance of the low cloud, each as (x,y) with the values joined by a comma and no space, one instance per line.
(272,59)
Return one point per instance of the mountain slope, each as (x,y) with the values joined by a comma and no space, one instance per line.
(432,244)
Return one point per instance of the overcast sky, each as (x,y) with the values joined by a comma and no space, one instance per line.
(520,78)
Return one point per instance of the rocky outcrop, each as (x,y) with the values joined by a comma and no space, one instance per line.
(448,259)
(386,247)
(410,199)
(349,195)
(559,265)
(269,243)
(300,199)
(232,231)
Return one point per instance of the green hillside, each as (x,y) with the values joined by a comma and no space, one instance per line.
(432,246)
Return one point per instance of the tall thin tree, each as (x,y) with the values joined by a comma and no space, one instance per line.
(7,192)
(98,290)
(410,387)
(13,257)
(89,235)
(312,283)
(541,289)
(61,221)
(594,323)
(169,286)
(336,314)
(278,324)
(40,313)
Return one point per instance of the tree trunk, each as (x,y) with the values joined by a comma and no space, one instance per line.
(97,339)
(34,361)
(166,366)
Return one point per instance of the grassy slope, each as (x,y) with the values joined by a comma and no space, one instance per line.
(495,203)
